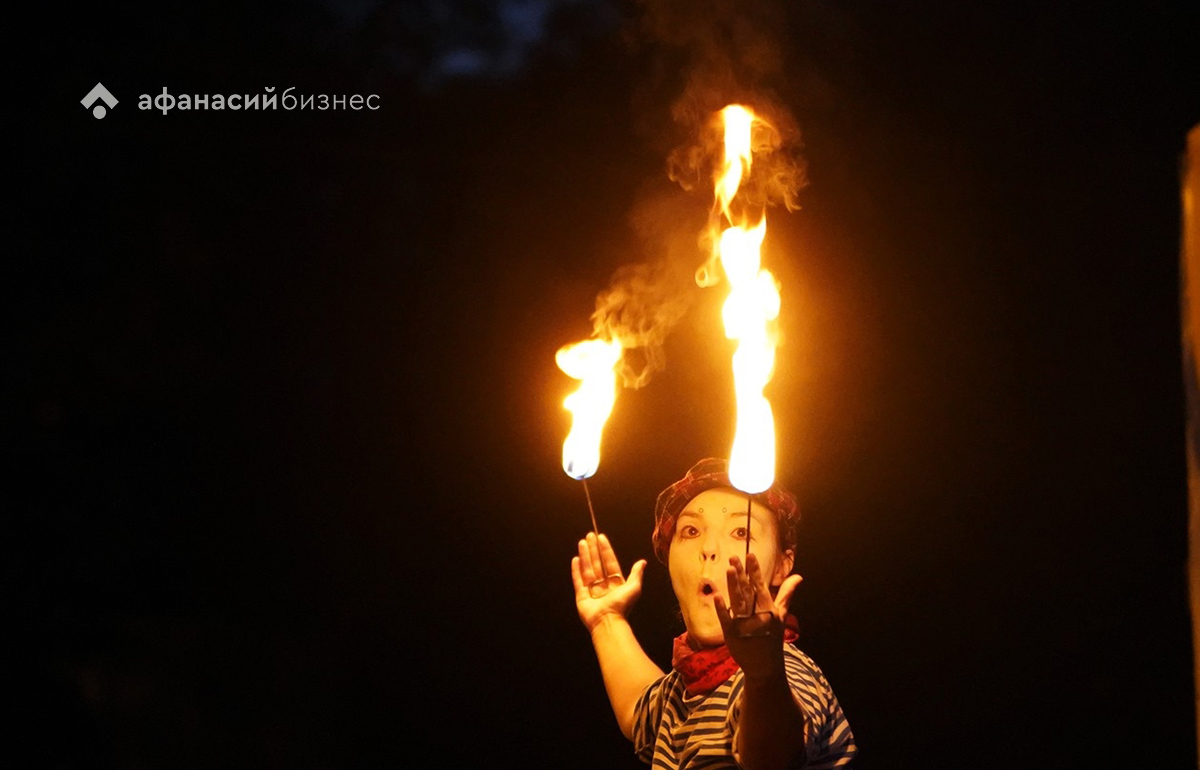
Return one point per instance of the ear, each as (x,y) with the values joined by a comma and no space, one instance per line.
(783,567)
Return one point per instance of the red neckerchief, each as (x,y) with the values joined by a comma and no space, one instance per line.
(705,669)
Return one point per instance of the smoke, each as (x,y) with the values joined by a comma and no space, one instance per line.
(725,52)
(645,300)
(700,55)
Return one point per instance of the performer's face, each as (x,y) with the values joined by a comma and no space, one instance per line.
(711,528)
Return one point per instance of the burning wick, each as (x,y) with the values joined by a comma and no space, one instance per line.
(593,363)
(749,314)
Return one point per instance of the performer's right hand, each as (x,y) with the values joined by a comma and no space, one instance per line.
(600,587)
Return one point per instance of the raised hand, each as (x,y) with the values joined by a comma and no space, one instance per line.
(753,621)
(600,586)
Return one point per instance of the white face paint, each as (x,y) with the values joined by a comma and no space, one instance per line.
(710,529)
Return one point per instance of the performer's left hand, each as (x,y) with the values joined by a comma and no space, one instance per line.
(755,642)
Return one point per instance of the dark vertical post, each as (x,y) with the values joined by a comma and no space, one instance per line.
(1189,259)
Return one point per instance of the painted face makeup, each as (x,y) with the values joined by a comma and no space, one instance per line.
(710,529)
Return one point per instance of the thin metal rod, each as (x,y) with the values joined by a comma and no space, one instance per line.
(591,510)
(747,526)
(606,579)
(753,594)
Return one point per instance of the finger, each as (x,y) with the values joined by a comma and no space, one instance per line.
(608,558)
(581,591)
(745,592)
(635,574)
(760,594)
(734,588)
(753,570)
(585,563)
(723,615)
(594,555)
(784,595)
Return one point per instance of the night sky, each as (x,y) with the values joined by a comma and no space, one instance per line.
(286,423)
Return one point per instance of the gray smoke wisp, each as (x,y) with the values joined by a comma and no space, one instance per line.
(708,54)
(645,300)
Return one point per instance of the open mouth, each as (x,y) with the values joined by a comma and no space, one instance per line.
(707,588)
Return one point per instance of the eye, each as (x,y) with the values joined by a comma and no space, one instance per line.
(688,530)
(739,533)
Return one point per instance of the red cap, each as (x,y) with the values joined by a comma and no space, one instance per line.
(712,473)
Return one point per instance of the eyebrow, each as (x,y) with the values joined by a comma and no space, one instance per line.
(756,514)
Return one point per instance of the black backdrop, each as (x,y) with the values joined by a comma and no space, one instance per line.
(286,421)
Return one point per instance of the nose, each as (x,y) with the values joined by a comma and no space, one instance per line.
(709,549)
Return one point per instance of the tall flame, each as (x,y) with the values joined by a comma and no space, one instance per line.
(592,362)
(748,313)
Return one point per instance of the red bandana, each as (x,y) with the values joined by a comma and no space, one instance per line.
(705,669)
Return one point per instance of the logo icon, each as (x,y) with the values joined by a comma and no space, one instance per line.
(97,93)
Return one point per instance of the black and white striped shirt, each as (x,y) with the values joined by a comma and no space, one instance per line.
(674,730)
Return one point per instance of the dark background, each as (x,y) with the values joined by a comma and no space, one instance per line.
(286,423)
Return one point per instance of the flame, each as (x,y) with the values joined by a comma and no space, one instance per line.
(592,362)
(748,313)
(738,120)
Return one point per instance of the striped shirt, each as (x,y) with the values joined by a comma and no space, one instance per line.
(674,730)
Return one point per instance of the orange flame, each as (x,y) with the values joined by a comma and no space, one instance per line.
(748,313)
(738,121)
(592,362)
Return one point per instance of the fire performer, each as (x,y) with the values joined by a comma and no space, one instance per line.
(740,694)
